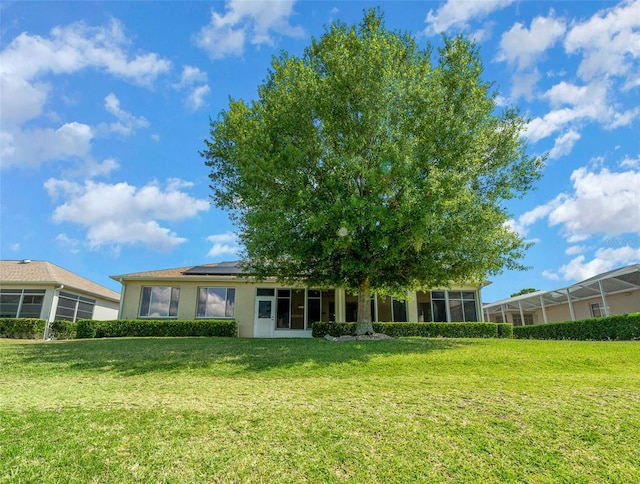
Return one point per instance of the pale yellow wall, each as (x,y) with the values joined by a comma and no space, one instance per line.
(188,302)
(244,300)
(625,302)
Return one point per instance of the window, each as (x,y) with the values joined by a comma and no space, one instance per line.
(454,306)
(72,307)
(159,302)
(399,311)
(597,310)
(21,303)
(517,320)
(216,302)
(298,309)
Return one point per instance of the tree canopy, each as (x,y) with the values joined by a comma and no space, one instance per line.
(521,292)
(372,165)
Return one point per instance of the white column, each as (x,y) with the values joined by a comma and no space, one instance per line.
(544,310)
(504,316)
(573,315)
(604,299)
(521,313)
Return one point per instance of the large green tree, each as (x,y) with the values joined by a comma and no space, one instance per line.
(372,165)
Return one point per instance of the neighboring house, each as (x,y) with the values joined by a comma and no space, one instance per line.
(267,309)
(40,289)
(613,292)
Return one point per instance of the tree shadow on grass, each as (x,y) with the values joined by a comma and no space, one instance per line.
(217,356)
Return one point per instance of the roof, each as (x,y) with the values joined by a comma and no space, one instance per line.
(43,272)
(618,280)
(231,268)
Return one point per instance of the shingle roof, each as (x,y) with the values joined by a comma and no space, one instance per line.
(190,272)
(43,272)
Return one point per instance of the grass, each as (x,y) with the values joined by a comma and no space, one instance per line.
(246,410)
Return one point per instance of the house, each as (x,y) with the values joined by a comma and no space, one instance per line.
(40,289)
(267,309)
(609,293)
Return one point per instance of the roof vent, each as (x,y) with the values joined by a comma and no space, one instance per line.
(25,261)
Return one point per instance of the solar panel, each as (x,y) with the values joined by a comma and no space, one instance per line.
(218,269)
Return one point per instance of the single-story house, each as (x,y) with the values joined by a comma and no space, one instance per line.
(267,309)
(609,293)
(40,289)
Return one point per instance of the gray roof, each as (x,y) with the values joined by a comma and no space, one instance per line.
(42,272)
(231,268)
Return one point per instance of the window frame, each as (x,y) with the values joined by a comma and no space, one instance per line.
(227,303)
(174,292)
(21,293)
(76,299)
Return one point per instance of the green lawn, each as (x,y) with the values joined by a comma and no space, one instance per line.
(243,410)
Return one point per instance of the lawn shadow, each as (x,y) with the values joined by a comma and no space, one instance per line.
(221,356)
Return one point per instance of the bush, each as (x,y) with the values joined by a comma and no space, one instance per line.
(62,330)
(619,327)
(88,328)
(428,330)
(22,328)
(505,330)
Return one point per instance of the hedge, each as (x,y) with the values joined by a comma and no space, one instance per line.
(31,328)
(88,328)
(619,327)
(22,328)
(428,330)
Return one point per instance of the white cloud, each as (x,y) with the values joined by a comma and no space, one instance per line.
(522,46)
(523,84)
(564,144)
(630,162)
(33,146)
(588,103)
(122,214)
(456,14)
(255,22)
(14,247)
(605,259)
(190,75)
(223,244)
(602,203)
(550,275)
(68,49)
(127,122)
(195,100)
(521,226)
(575,249)
(72,245)
(609,42)
(28,62)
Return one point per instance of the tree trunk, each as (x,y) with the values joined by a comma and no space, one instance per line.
(364,325)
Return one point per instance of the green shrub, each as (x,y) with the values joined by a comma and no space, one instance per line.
(22,328)
(619,327)
(505,330)
(88,328)
(428,329)
(62,330)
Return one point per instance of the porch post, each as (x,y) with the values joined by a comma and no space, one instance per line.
(573,315)
(521,313)
(504,316)
(604,299)
(544,310)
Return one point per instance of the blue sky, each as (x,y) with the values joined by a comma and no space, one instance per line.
(105,105)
